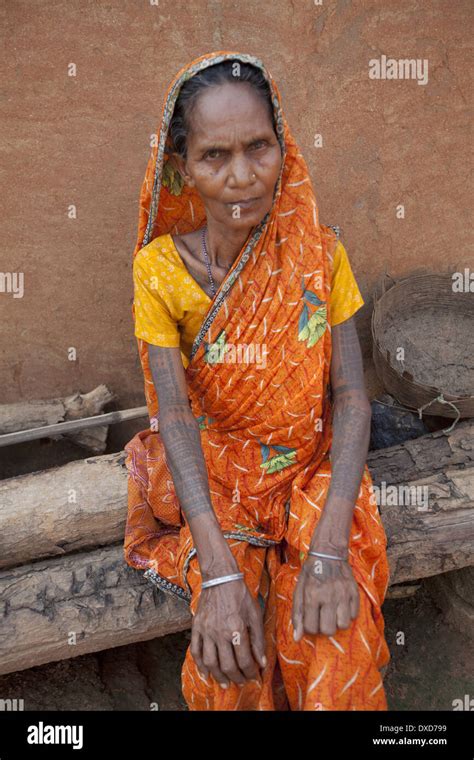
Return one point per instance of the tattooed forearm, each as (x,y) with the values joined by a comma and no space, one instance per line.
(182,441)
(181,438)
(351,431)
(351,434)
(180,434)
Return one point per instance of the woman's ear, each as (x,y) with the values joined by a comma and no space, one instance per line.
(179,163)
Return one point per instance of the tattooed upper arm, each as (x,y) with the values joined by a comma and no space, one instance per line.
(180,431)
(347,370)
(168,376)
(352,414)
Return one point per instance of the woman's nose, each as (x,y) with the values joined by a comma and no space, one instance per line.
(241,172)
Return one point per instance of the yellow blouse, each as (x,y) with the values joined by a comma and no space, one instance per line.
(170,305)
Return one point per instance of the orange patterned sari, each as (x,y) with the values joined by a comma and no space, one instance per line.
(266,430)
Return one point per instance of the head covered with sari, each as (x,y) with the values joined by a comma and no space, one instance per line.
(265,425)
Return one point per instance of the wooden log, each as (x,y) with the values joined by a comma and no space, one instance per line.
(92,600)
(85,602)
(424,456)
(88,599)
(83,505)
(38,413)
(401,591)
(73,426)
(433,535)
(80,505)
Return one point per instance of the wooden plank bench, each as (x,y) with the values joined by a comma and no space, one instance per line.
(62,595)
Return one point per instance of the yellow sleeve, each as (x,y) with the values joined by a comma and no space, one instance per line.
(346,297)
(153,320)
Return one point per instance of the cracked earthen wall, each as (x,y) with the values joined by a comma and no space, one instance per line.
(84,141)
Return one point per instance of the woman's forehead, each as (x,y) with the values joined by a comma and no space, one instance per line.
(230,96)
(226,111)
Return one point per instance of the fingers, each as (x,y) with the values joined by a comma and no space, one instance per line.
(241,656)
(343,614)
(211,661)
(230,645)
(257,637)
(324,604)
(244,655)
(204,653)
(298,609)
(327,619)
(196,651)
(311,610)
(355,602)
(227,658)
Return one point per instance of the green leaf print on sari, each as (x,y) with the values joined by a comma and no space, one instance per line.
(284,458)
(204,421)
(311,327)
(214,352)
(244,528)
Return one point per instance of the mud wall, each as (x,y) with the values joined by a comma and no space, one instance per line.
(76,148)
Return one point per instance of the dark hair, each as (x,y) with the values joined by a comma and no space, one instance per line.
(212,76)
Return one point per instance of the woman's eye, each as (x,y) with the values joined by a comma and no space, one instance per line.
(214,153)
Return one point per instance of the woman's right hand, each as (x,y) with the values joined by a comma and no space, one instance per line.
(227,633)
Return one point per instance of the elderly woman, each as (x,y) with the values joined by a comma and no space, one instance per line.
(249,494)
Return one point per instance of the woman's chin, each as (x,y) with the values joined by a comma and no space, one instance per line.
(249,217)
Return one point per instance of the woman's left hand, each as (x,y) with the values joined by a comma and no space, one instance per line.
(326,597)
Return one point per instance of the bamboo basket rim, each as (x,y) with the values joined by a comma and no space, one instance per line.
(408,392)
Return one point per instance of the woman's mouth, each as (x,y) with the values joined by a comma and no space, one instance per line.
(244,203)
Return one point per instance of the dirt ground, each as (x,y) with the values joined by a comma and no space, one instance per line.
(433,667)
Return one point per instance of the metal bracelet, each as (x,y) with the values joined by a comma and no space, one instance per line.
(327,556)
(222,579)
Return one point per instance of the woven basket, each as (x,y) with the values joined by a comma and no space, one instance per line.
(409,296)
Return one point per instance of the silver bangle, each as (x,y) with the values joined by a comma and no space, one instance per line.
(327,556)
(222,579)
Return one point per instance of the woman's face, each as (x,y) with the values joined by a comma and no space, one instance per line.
(233,155)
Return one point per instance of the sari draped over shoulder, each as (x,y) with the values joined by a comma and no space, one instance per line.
(259,385)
